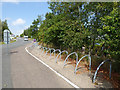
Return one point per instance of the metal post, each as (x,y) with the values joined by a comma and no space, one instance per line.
(53,49)
(99,67)
(43,50)
(56,50)
(50,52)
(7,37)
(89,62)
(70,55)
(60,55)
(82,59)
(110,70)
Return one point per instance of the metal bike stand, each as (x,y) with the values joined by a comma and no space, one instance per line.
(56,50)
(51,50)
(99,68)
(60,55)
(82,59)
(48,51)
(70,55)
(43,49)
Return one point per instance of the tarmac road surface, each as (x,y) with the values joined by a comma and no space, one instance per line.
(20,70)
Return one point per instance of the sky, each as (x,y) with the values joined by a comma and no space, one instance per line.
(20,15)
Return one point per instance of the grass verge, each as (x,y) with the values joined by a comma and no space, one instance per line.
(2,43)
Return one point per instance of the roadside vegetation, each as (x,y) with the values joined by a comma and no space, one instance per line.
(2,43)
(73,25)
(12,41)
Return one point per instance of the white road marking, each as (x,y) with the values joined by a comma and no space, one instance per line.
(68,81)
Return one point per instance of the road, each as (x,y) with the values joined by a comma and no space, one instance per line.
(6,64)
(20,70)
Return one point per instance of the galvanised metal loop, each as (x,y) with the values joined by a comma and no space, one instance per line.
(70,55)
(100,66)
(60,55)
(81,60)
(33,44)
(46,48)
(48,51)
(53,50)
(40,47)
(56,50)
(36,43)
(43,49)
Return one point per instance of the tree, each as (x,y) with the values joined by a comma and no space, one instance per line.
(21,35)
(33,29)
(72,25)
(111,35)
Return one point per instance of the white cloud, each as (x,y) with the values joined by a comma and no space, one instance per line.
(19,21)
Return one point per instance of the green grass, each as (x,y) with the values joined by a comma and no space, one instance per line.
(2,43)
(12,41)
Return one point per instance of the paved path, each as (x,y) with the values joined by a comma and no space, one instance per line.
(26,72)
(6,64)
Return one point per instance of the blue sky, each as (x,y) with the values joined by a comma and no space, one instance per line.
(20,15)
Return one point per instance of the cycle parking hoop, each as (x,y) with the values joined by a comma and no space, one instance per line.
(110,62)
(70,55)
(57,50)
(43,49)
(60,55)
(81,60)
(51,50)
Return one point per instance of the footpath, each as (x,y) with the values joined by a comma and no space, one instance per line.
(83,79)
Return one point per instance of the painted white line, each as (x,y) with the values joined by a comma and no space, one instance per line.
(68,81)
